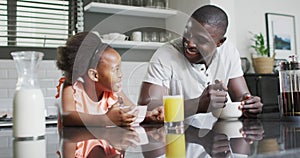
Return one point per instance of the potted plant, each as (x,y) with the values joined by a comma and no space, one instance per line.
(262,64)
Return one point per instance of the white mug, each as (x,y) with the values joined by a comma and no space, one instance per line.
(118,36)
(136,36)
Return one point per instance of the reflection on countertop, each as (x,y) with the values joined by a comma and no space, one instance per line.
(262,137)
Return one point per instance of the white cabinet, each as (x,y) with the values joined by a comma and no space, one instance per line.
(97,7)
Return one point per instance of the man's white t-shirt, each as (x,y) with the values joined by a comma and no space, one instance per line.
(169,62)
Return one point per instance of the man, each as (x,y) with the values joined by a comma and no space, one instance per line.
(208,67)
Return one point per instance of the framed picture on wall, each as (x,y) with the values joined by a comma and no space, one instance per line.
(281,35)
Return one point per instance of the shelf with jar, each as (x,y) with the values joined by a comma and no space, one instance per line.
(153,12)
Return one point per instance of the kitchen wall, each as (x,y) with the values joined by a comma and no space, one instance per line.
(185,9)
(245,16)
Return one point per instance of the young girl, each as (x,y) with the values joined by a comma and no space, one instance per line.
(91,84)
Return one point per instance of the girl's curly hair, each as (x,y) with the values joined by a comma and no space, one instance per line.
(66,55)
(82,51)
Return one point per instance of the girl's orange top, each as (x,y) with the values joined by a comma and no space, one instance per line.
(83,148)
(86,105)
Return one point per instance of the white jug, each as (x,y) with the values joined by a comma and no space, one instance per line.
(28,102)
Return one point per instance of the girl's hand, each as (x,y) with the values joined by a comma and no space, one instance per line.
(121,117)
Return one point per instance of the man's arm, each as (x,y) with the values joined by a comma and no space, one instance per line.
(237,87)
(213,97)
(151,95)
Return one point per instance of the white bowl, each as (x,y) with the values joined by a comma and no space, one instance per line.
(115,36)
(142,110)
(143,138)
(231,128)
(230,111)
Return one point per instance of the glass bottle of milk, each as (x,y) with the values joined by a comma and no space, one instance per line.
(28,102)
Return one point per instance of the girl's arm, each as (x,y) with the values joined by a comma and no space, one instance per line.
(70,117)
(67,99)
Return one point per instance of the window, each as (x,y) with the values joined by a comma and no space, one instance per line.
(38,23)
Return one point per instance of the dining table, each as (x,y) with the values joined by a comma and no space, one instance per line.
(268,135)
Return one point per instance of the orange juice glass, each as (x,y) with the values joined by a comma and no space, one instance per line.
(173,102)
(175,147)
(173,107)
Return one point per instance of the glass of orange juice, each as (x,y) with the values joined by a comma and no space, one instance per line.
(173,102)
(175,146)
(175,143)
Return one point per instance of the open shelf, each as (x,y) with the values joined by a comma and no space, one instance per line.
(129,10)
(134,44)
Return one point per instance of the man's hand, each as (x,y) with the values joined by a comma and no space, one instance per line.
(252,130)
(213,97)
(251,106)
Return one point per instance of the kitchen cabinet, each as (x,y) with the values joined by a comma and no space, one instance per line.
(131,11)
(267,87)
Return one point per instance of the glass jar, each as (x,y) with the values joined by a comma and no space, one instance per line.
(289,77)
(28,101)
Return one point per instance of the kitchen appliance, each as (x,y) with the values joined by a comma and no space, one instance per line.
(28,101)
(289,77)
(245,64)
